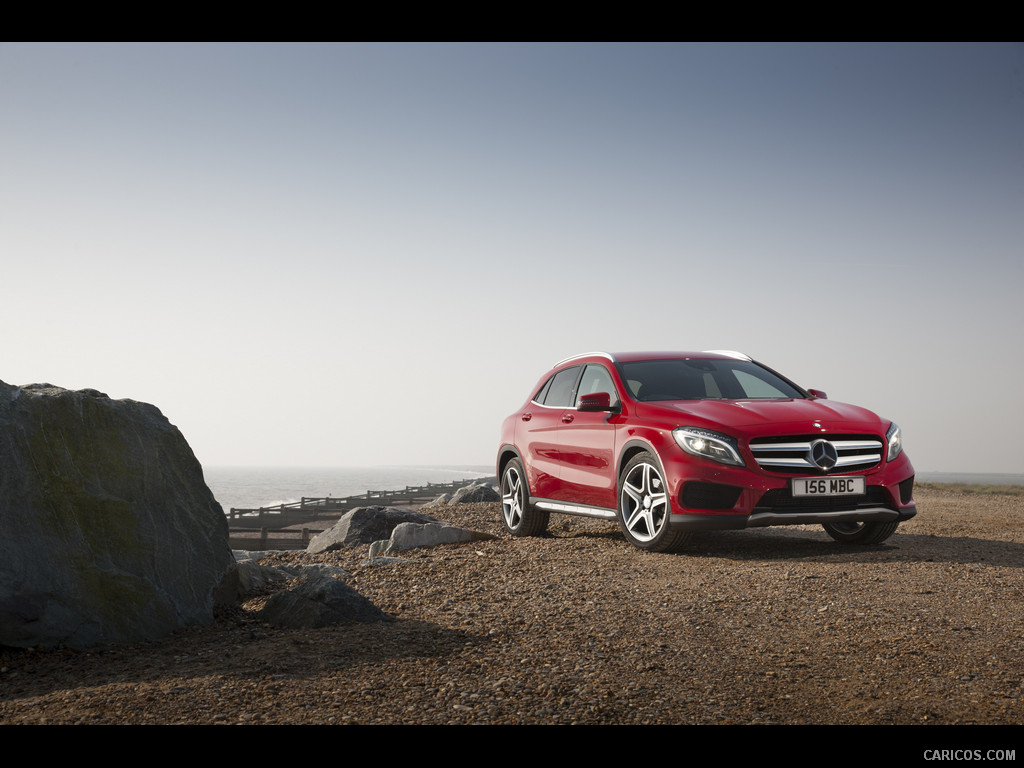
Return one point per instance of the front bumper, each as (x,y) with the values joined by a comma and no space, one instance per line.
(705,496)
(720,522)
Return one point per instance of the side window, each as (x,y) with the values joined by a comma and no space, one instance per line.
(562,389)
(597,379)
(542,392)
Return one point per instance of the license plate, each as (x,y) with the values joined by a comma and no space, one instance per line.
(828,486)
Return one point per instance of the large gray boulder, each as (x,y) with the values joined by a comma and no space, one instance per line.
(108,532)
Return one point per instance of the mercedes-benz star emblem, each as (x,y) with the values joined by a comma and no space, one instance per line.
(823,454)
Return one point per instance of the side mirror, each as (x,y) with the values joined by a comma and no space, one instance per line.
(597,401)
(818,393)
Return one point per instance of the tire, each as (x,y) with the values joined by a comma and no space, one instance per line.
(519,517)
(861,533)
(644,508)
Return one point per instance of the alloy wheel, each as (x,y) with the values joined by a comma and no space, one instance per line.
(512,498)
(644,502)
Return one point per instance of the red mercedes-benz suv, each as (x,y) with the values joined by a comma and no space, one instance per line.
(668,443)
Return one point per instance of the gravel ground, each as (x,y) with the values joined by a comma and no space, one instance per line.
(772,626)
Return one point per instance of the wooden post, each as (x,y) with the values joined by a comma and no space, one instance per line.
(263,539)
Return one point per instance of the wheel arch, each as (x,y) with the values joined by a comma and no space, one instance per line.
(505,454)
(630,449)
(643,444)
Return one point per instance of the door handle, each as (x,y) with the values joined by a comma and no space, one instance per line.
(527,416)
(567,418)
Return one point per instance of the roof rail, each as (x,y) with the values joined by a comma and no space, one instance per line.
(585,354)
(728,353)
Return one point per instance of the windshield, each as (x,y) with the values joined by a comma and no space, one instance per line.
(703,379)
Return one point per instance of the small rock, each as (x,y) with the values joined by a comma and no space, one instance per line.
(364,525)
(477,492)
(319,601)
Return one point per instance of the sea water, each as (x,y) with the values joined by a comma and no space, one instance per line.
(253,487)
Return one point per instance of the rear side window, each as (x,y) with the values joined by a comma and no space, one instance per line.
(560,391)
(543,391)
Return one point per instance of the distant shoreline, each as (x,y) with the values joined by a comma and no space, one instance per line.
(255,487)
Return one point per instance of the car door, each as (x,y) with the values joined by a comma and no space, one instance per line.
(587,444)
(537,432)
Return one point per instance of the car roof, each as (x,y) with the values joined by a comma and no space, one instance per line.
(632,357)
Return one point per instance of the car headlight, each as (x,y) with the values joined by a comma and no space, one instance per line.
(708,445)
(894,438)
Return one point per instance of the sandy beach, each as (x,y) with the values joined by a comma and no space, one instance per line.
(768,626)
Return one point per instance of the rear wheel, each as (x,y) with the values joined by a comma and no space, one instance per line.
(861,533)
(519,517)
(644,508)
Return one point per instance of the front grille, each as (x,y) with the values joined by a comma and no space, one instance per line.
(791,454)
(781,500)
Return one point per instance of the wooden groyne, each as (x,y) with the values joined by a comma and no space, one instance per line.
(319,513)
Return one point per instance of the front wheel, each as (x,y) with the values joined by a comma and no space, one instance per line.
(860,533)
(644,508)
(519,517)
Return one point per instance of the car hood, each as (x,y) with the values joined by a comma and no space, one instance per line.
(753,416)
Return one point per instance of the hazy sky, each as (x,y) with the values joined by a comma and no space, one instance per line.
(368,254)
